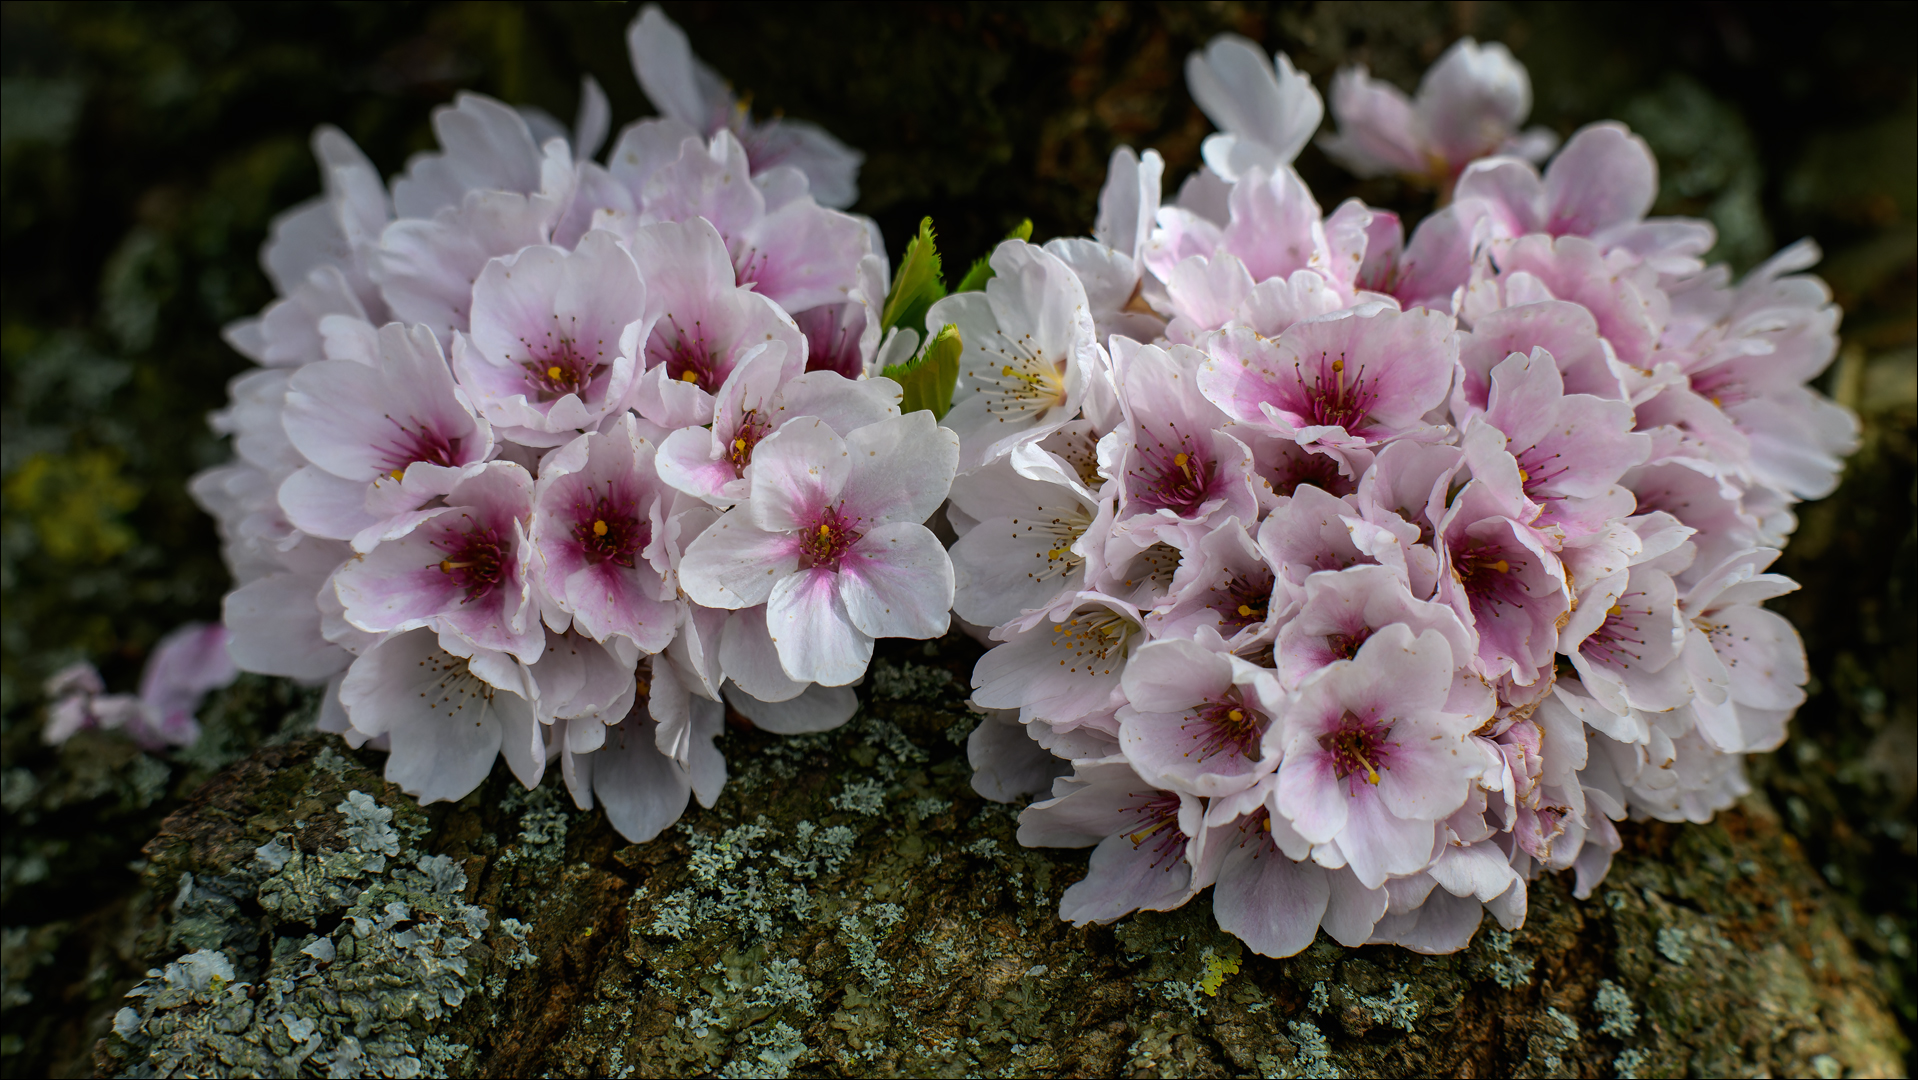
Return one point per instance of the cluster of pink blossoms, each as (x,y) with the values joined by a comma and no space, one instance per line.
(1362,577)
(1359,577)
(548,459)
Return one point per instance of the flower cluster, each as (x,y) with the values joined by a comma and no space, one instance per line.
(551,460)
(1356,575)
(1363,577)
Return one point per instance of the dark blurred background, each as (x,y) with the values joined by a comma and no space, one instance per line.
(145,147)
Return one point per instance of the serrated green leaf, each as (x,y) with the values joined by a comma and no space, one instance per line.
(917,284)
(927,380)
(981,271)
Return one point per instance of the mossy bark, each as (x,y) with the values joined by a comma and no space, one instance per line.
(851,907)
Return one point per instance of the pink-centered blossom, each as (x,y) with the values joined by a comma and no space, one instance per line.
(381,440)
(555,339)
(463,568)
(756,400)
(1144,836)
(1196,720)
(1372,757)
(830,540)
(703,322)
(1354,378)
(605,534)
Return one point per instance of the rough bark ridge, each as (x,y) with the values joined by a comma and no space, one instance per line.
(851,907)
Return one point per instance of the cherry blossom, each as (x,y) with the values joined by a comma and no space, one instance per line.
(830,540)
(1468,106)
(1360,570)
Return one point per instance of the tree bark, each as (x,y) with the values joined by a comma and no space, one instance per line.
(851,907)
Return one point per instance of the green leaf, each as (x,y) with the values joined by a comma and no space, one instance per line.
(927,379)
(917,284)
(981,271)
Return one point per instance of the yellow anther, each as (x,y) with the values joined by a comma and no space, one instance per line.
(689,376)
(554,372)
(599,528)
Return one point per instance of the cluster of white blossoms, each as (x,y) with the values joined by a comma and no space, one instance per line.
(1358,577)
(1363,578)
(548,459)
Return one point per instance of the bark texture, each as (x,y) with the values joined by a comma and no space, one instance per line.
(851,907)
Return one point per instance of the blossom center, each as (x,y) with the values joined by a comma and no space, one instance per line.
(1173,477)
(457,686)
(1226,726)
(1097,640)
(1358,748)
(1346,646)
(1617,641)
(560,370)
(1335,397)
(415,441)
(1242,601)
(1026,386)
(1490,578)
(476,559)
(1059,534)
(1157,564)
(751,430)
(689,359)
(826,543)
(609,531)
(1157,814)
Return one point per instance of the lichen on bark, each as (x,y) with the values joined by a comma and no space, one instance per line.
(851,907)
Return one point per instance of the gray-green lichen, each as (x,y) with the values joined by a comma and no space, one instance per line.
(851,907)
(367,945)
